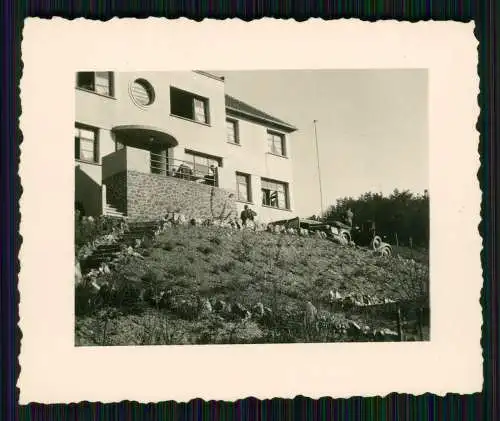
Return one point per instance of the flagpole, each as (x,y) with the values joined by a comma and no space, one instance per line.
(319,169)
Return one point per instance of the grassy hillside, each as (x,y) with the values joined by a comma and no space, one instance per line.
(196,285)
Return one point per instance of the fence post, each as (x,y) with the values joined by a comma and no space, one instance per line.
(397,240)
(216,176)
(399,323)
(421,323)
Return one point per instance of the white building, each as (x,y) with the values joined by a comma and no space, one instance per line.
(150,142)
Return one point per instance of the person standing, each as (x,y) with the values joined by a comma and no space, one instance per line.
(349,217)
(247,214)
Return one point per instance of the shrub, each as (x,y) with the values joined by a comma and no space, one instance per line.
(216,240)
(88,229)
(85,298)
(147,242)
(168,246)
(152,278)
(128,298)
(227,266)
(179,268)
(205,249)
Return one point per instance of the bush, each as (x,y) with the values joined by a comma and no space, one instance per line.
(127,298)
(402,213)
(168,245)
(85,298)
(88,229)
(205,249)
(216,240)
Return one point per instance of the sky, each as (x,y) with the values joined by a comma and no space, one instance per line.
(372,128)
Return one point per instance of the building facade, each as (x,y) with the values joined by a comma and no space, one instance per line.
(151,142)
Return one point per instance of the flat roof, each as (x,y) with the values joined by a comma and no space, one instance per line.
(210,75)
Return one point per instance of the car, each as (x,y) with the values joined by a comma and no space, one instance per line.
(366,235)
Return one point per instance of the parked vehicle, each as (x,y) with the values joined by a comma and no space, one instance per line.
(364,235)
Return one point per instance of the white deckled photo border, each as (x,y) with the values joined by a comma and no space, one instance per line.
(53,370)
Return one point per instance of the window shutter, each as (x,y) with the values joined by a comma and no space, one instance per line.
(199,110)
(102,83)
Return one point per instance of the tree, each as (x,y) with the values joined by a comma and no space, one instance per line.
(402,214)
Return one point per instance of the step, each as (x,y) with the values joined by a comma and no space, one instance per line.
(144,228)
(117,217)
(138,232)
(106,251)
(102,256)
(115,246)
(108,248)
(136,235)
(131,238)
(95,259)
(110,210)
(93,265)
(115,214)
(136,226)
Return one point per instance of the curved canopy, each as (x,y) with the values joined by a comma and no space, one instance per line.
(144,137)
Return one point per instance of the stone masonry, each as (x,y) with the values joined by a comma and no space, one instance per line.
(151,196)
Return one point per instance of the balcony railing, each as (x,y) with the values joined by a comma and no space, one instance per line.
(186,170)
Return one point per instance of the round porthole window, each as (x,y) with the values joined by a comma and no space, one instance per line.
(142,92)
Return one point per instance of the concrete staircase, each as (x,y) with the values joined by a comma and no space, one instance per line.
(106,253)
(110,210)
(139,231)
(103,254)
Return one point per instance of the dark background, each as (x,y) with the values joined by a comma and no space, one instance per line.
(481,406)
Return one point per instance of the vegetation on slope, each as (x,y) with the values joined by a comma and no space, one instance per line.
(198,285)
(399,217)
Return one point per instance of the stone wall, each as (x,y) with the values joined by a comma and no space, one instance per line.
(116,191)
(152,196)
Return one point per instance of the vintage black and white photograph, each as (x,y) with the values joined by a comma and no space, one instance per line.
(230,213)
(251,207)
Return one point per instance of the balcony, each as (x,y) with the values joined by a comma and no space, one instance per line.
(159,163)
(186,170)
(149,150)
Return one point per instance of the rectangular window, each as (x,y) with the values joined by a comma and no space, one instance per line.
(275,194)
(201,166)
(187,105)
(276,143)
(86,144)
(99,82)
(243,187)
(232,134)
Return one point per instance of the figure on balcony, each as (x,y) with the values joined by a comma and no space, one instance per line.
(184,172)
(211,177)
